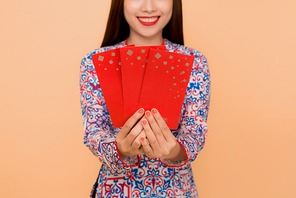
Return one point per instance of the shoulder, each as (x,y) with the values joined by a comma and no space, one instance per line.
(87,57)
(200,61)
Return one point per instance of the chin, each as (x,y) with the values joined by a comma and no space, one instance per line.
(151,34)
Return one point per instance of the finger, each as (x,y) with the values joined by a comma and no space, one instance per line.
(125,144)
(129,124)
(141,151)
(146,147)
(136,144)
(162,124)
(134,133)
(155,128)
(150,135)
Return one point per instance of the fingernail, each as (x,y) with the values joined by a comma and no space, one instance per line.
(154,111)
(142,138)
(147,113)
(144,122)
(140,111)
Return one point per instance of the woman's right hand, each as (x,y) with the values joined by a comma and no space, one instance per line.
(128,138)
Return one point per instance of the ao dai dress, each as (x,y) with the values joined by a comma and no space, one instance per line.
(140,176)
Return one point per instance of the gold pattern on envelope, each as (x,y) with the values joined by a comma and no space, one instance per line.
(157,55)
(139,57)
(165,62)
(143,51)
(111,61)
(113,54)
(187,64)
(101,58)
(130,52)
(172,68)
(171,57)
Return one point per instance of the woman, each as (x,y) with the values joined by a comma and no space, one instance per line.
(144,158)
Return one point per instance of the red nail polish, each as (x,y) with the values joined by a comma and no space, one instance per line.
(148,113)
(154,111)
(140,111)
(144,122)
(142,138)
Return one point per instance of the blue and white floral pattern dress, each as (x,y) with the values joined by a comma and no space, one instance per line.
(140,176)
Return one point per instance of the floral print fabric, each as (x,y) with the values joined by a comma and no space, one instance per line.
(140,176)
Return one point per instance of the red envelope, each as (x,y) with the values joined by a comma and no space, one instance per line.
(133,65)
(107,65)
(165,84)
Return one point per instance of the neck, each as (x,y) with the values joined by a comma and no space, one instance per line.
(144,41)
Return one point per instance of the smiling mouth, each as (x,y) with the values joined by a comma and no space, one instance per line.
(148,19)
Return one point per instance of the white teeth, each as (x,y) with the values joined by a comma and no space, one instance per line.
(148,20)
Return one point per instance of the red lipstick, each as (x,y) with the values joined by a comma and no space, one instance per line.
(148,23)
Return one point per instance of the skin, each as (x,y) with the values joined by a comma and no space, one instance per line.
(147,35)
(159,141)
(128,138)
(147,132)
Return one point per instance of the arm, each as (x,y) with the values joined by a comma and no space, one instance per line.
(99,134)
(193,128)
(183,145)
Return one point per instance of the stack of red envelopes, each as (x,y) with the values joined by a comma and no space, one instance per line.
(143,77)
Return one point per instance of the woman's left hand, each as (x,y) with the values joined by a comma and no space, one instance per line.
(160,142)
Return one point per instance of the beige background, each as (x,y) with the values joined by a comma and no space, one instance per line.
(250,46)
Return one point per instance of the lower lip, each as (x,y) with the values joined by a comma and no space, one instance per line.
(149,23)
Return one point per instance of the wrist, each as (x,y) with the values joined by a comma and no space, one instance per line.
(122,155)
(177,153)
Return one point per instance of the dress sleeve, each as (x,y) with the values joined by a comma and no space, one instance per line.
(193,129)
(99,133)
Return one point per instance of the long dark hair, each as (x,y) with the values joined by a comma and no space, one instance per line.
(118,29)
